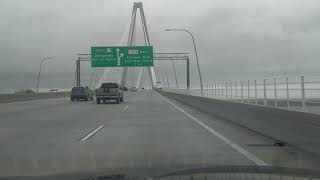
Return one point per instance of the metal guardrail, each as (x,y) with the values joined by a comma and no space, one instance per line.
(296,93)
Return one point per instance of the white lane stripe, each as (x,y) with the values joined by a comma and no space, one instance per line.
(125,107)
(226,140)
(91,133)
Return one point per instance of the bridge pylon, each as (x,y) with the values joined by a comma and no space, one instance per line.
(138,6)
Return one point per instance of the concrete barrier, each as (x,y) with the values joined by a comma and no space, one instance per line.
(5,98)
(298,129)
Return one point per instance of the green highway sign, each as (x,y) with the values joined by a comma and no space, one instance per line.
(121,56)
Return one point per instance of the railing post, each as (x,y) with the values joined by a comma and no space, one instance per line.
(215,90)
(248,91)
(222,91)
(231,89)
(212,89)
(255,91)
(226,90)
(303,93)
(236,86)
(206,90)
(264,92)
(287,87)
(241,91)
(218,91)
(275,92)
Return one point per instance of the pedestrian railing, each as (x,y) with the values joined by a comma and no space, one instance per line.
(298,93)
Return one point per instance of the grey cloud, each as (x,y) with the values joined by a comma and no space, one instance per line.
(236,39)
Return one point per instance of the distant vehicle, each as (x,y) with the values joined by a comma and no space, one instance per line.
(124,88)
(80,92)
(24,91)
(133,89)
(142,88)
(109,91)
(53,90)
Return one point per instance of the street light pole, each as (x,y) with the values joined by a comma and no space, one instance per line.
(42,60)
(195,51)
(168,84)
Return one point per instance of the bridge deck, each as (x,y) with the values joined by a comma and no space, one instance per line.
(56,135)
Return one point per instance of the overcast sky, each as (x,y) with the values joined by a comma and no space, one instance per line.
(236,39)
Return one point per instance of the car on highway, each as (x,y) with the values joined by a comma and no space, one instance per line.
(54,90)
(81,92)
(109,91)
(24,91)
(133,89)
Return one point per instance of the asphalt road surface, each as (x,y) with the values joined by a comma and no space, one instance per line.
(146,131)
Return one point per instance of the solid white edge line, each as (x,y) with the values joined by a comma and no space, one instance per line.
(247,154)
(91,133)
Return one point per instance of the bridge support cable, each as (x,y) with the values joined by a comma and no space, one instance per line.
(103,77)
(172,57)
(139,77)
(113,77)
(109,75)
(119,72)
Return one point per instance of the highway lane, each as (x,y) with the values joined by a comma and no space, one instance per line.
(56,135)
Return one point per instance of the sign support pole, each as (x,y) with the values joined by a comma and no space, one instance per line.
(78,72)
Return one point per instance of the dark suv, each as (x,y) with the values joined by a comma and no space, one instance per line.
(80,92)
